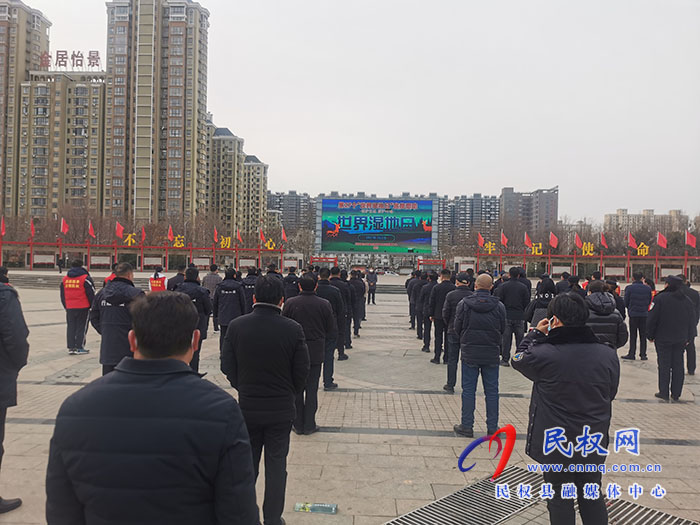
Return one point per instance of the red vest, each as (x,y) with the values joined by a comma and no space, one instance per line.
(74,292)
(157,284)
(109,278)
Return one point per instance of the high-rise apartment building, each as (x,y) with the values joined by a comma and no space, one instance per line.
(533,212)
(297,210)
(251,193)
(462,217)
(24,38)
(225,162)
(156,116)
(61,143)
(622,220)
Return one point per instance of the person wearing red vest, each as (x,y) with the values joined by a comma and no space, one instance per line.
(77,293)
(156,283)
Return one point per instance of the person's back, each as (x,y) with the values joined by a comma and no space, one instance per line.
(637,299)
(212,280)
(202,302)
(249,288)
(118,449)
(177,279)
(563,285)
(291,284)
(604,319)
(515,296)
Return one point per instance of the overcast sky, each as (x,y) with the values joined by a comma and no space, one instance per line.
(601,97)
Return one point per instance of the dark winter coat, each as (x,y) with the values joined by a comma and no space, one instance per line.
(437,298)
(449,309)
(315,316)
(229,301)
(175,281)
(372,279)
(480,322)
(515,296)
(410,285)
(637,299)
(605,321)
(111,318)
(620,305)
(291,286)
(330,293)
(14,348)
(694,297)
(88,285)
(575,381)
(266,359)
(358,292)
(249,289)
(671,318)
(563,286)
(424,298)
(345,292)
(537,309)
(416,293)
(200,299)
(150,443)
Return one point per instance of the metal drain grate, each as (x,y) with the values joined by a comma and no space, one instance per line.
(475,504)
(621,512)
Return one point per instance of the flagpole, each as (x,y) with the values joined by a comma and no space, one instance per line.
(656,265)
(88,253)
(685,265)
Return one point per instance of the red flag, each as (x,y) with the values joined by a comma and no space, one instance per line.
(284,235)
(480,240)
(631,241)
(216,235)
(504,239)
(171,236)
(578,241)
(119,231)
(528,241)
(64,226)
(2,226)
(689,238)
(603,241)
(661,240)
(32,230)
(91,230)
(238,235)
(262,236)
(553,240)
(143,234)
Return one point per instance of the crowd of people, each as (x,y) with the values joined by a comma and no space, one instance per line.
(278,336)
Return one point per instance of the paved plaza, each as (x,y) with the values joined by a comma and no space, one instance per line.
(386,445)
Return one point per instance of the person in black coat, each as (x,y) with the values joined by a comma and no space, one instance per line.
(346,293)
(435,303)
(111,318)
(266,359)
(612,288)
(671,326)
(424,305)
(516,297)
(480,321)
(249,287)
(637,300)
(152,442)
(463,283)
(416,318)
(575,379)
(604,319)
(694,297)
(177,279)
(291,283)
(537,309)
(202,301)
(563,285)
(14,350)
(358,289)
(229,302)
(315,316)
(350,312)
(330,293)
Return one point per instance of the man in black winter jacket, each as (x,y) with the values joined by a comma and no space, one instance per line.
(249,287)
(424,304)
(603,318)
(315,316)
(637,300)
(410,283)
(575,379)
(358,306)
(480,321)
(330,293)
(177,279)
(111,318)
(152,442)
(229,302)
(516,297)
(202,302)
(347,295)
(435,303)
(671,326)
(694,297)
(416,296)
(291,283)
(463,284)
(14,350)
(266,359)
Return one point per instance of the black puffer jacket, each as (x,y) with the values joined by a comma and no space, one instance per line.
(150,443)
(575,381)
(291,286)
(671,318)
(449,309)
(480,322)
(200,299)
(111,318)
(229,301)
(14,347)
(605,321)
